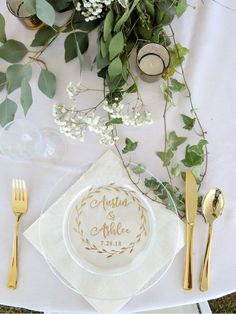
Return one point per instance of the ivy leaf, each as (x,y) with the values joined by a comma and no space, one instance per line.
(181,8)
(176,171)
(3,80)
(194,155)
(129,146)
(188,122)
(116,45)
(45,12)
(177,53)
(47,83)
(175,141)
(75,45)
(115,68)
(138,169)
(108,25)
(177,86)
(15,75)
(3,37)
(43,36)
(13,51)
(26,96)
(166,157)
(196,170)
(7,111)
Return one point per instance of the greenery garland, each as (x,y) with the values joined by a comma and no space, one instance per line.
(123,26)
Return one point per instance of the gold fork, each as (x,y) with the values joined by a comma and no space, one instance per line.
(19,207)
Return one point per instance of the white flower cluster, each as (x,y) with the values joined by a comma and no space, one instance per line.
(92,9)
(75,123)
(137,116)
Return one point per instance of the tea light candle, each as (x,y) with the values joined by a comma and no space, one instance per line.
(151,65)
(153,59)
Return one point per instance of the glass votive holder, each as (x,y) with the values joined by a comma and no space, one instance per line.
(18,9)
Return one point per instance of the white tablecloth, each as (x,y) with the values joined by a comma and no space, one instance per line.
(209,32)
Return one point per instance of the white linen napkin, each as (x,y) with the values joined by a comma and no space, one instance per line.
(47,236)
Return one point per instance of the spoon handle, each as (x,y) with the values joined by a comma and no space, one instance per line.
(206,263)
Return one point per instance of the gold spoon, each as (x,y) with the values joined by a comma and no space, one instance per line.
(212,205)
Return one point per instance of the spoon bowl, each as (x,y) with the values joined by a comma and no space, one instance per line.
(213,205)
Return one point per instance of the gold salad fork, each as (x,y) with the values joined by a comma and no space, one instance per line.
(19,207)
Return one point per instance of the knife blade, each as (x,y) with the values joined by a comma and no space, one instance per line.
(191,205)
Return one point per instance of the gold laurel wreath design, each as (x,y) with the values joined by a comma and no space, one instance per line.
(142,229)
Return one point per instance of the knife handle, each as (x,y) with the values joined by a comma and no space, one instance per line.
(188,259)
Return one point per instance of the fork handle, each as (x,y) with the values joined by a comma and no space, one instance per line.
(13,271)
(204,280)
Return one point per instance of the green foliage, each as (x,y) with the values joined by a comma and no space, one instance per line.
(15,75)
(195,155)
(3,79)
(26,98)
(129,146)
(166,157)
(138,169)
(43,36)
(175,141)
(13,51)
(176,86)
(3,37)
(45,12)
(7,111)
(47,83)
(115,68)
(108,24)
(181,8)
(116,45)
(75,45)
(188,122)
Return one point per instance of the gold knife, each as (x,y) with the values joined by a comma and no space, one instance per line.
(191,204)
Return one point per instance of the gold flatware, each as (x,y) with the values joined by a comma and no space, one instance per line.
(191,204)
(19,207)
(212,205)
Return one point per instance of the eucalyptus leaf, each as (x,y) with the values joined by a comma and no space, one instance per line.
(3,37)
(26,98)
(45,12)
(75,45)
(115,68)
(129,146)
(116,45)
(43,36)
(108,25)
(125,16)
(3,80)
(7,111)
(47,83)
(13,51)
(15,75)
